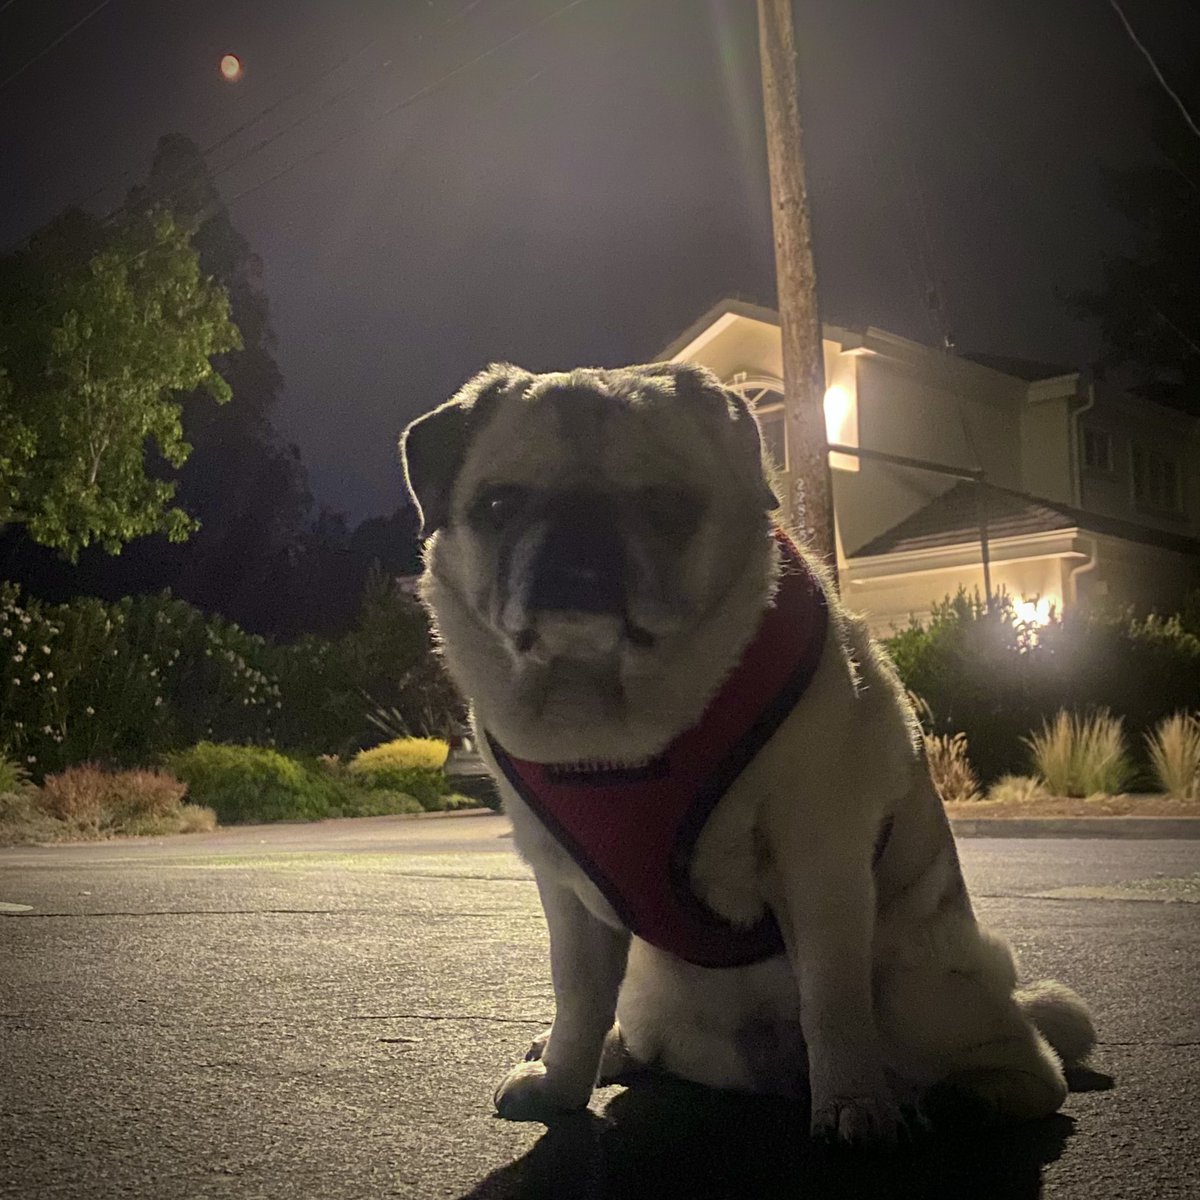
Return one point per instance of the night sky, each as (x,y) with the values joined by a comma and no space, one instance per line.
(585,179)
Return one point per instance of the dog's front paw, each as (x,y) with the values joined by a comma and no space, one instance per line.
(529,1094)
(861,1122)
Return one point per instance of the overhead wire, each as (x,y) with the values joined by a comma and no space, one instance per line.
(404,103)
(1166,87)
(58,41)
(324,105)
(264,112)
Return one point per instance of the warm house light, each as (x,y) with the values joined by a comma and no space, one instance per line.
(841,424)
(1037,612)
(231,68)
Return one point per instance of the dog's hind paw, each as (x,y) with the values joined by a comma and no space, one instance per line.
(860,1122)
(528,1093)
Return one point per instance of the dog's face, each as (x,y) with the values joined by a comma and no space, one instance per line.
(580,528)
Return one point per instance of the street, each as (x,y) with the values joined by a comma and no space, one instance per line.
(324,1011)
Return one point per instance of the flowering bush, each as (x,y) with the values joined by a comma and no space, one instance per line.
(127,682)
(122,682)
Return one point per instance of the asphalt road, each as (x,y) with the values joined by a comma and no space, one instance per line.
(323,1011)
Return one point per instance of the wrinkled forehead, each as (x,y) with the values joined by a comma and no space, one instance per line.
(566,430)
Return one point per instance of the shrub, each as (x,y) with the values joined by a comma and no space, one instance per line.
(1018,789)
(127,682)
(13,776)
(994,679)
(124,682)
(88,801)
(253,783)
(22,819)
(1174,752)
(950,767)
(400,754)
(427,785)
(1082,756)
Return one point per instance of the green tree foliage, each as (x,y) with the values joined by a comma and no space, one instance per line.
(101,332)
(1148,303)
(246,485)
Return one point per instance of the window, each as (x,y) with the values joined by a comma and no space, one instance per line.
(1097,450)
(1156,481)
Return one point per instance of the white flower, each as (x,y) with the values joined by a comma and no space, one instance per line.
(45,649)
(157,701)
(36,676)
(47,729)
(20,647)
(31,758)
(16,681)
(49,674)
(91,712)
(18,657)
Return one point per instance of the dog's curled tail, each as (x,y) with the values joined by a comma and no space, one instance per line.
(1061,1017)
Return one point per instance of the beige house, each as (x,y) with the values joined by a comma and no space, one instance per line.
(1069,491)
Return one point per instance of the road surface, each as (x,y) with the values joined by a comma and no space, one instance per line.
(323,1011)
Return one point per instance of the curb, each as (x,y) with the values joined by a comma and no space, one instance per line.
(1078,827)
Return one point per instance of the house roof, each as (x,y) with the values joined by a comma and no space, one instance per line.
(1019,368)
(953,519)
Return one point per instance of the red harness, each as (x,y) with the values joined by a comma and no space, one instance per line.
(634,829)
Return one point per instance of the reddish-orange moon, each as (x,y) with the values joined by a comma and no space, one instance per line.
(231,68)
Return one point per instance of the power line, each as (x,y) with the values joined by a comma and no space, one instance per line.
(264,112)
(1133,37)
(58,41)
(406,102)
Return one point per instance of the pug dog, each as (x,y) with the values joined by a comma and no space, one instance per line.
(713,771)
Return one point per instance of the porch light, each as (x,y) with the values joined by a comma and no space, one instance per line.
(1037,612)
(841,424)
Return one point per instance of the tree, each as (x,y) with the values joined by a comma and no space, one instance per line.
(102,329)
(247,486)
(1148,303)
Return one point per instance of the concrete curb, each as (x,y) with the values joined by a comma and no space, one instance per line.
(1078,827)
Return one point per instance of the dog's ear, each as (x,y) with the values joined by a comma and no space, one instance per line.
(729,407)
(433,447)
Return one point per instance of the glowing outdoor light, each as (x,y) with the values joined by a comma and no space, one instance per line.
(841,425)
(231,68)
(837,413)
(1035,612)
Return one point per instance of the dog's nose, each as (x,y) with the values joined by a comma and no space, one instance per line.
(580,566)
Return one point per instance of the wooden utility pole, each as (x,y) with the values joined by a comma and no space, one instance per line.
(810,502)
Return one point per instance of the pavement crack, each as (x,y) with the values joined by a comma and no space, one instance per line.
(487,1017)
(195,912)
(1154,1042)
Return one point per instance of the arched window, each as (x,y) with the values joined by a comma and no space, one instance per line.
(764,395)
(765,399)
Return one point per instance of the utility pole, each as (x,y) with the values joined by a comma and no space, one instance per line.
(810,502)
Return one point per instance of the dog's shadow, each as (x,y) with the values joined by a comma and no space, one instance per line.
(663,1139)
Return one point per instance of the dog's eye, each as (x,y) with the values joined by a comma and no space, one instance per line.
(496,506)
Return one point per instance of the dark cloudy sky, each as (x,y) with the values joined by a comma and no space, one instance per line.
(585,179)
